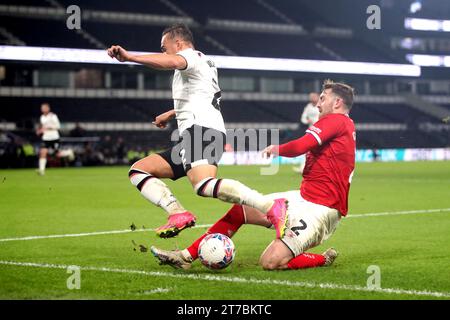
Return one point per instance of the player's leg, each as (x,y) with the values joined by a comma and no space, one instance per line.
(66,153)
(228,225)
(299,168)
(309,225)
(146,175)
(278,256)
(43,152)
(62,153)
(203,179)
(201,170)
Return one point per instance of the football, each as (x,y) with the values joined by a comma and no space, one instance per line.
(216,251)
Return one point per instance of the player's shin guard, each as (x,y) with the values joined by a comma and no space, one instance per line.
(306,260)
(233,191)
(227,225)
(42,164)
(155,191)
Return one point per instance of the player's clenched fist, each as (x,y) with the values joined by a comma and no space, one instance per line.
(162,120)
(119,53)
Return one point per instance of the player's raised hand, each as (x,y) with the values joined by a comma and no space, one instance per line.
(119,53)
(271,150)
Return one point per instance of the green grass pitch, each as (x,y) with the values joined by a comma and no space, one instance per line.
(411,249)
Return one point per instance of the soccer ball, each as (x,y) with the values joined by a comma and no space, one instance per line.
(216,251)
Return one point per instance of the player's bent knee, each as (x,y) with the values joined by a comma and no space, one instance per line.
(268,261)
(207,187)
(138,177)
(269,264)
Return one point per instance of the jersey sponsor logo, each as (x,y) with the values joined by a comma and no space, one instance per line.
(315,129)
(216,100)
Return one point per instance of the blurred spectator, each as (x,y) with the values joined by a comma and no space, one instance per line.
(15,152)
(107,150)
(120,151)
(77,132)
(90,156)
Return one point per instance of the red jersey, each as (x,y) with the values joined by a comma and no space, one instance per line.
(330,160)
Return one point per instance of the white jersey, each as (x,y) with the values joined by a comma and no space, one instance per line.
(310,114)
(196,93)
(50,124)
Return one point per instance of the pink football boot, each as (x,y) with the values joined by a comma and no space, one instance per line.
(278,216)
(177,222)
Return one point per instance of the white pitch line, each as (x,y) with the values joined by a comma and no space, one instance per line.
(363,215)
(202,277)
(395,213)
(87,234)
(154,291)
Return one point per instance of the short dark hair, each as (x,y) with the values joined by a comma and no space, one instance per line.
(342,90)
(179,30)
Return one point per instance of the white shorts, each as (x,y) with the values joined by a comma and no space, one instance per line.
(309,224)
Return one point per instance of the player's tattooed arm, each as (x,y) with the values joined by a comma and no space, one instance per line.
(160,61)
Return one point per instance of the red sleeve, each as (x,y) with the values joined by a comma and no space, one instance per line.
(326,128)
(297,147)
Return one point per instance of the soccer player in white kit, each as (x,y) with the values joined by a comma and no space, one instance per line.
(196,95)
(310,115)
(49,126)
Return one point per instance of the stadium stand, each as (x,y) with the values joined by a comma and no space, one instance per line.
(39,36)
(136,6)
(281,29)
(248,11)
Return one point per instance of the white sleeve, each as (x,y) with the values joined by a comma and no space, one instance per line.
(191,58)
(57,125)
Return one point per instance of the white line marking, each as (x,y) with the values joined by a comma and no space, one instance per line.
(87,234)
(395,213)
(363,215)
(203,277)
(154,291)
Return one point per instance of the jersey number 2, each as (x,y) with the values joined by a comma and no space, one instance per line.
(297,228)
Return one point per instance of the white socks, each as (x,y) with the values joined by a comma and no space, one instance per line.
(155,191)
(228,190)
(233,191)
(42,164)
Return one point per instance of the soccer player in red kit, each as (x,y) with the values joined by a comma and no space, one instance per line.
(314,212)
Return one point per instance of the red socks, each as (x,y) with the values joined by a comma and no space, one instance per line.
(227,225)
(306,260)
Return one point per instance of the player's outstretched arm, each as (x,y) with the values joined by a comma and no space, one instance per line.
(292,148)
(160,61)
